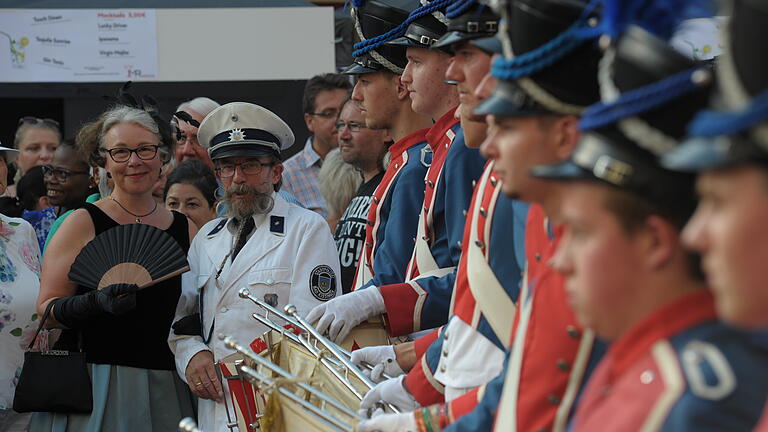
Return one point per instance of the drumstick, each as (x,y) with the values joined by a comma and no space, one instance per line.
(330,346)
(246,294)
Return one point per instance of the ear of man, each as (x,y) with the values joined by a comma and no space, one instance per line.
(568,135)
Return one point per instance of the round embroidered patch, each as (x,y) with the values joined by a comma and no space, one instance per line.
(322,283)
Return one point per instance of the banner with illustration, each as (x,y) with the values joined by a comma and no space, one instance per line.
(78,45)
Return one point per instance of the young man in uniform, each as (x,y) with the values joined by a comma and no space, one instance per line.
(485,288)
(727,147)
(422,301)
(384,100)
(671,365)
(282,253)
(534,121)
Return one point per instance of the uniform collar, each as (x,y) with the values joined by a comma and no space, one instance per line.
(667,321)
(279,208)
(437,131)
(409,140)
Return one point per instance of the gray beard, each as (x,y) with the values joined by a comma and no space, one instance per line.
(258,203)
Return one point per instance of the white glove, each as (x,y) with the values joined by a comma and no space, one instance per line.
(341,314)
(404,422)
(382,358)
(390,391)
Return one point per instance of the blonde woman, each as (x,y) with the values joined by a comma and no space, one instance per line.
(124,331)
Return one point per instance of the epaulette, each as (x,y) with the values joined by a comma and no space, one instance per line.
(709,373)
(426,156)
(277,225)
(218,227)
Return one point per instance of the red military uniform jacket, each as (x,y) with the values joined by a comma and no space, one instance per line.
(678,369)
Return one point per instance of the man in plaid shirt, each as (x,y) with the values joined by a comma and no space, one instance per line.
(323,96)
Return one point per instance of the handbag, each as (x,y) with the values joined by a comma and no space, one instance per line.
(54,380)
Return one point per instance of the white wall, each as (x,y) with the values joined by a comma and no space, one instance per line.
(220,44)
(244,44)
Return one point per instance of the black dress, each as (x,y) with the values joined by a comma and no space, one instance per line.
(135,385)
(140,337)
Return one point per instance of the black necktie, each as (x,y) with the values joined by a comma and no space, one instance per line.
(248,226)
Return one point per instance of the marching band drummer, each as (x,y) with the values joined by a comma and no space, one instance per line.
(281,252)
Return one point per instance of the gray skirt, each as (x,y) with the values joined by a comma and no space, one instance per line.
(126,399)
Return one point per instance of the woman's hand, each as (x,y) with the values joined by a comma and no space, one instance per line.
(117,299)
(202,378)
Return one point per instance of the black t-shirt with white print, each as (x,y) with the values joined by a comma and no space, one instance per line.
(350,231)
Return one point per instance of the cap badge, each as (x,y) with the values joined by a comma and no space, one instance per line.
(236,135)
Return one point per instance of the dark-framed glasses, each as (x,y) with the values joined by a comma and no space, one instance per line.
(353,126)
(61,174)
(331,113)
(146,152)
(225,170)
(36,120)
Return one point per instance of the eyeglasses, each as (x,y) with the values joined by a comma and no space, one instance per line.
(61,174)
(123,154)
(248,168)
(35,120)
(353,126)
(192,139)
(326,114)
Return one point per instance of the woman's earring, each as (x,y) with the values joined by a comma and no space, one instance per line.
(109,174)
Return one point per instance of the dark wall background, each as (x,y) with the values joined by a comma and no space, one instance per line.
(73,104)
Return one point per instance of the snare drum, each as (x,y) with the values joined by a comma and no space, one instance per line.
(369,333)
(251,403)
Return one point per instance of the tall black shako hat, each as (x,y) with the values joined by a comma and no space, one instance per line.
(425,31)
(468,20)
(650,92)
(377,17)
(241,129)
(547,84)
(735,130)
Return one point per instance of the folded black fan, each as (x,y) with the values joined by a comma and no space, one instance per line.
(134,254)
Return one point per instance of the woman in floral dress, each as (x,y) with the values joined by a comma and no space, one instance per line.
(19,286)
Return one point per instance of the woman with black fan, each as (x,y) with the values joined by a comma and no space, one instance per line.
(123,330)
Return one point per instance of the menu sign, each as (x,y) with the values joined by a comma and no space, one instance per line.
(71,45)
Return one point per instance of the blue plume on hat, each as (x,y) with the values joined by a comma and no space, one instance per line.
(363,47)
(640,100)
(710,123)
(659,17)
(550,52)
(458,7)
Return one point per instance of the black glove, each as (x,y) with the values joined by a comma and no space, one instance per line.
(188,326)
(116,299)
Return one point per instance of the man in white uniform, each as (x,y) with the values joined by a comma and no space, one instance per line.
(282,253)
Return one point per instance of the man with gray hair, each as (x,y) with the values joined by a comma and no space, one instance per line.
(187,119)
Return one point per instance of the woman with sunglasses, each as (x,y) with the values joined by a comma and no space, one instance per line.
(124,331)
(36,139)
